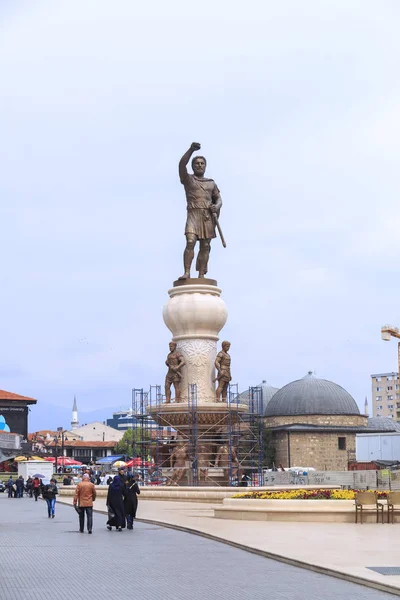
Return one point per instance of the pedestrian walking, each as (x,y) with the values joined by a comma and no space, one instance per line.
(20,487)
(85,495)
(29,486)
(10,485)
(131,493)
(115,505)
(244,480)
(49,493)
(121,473)
(36,488)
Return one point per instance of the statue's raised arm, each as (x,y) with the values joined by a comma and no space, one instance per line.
(194,147)
(204,202)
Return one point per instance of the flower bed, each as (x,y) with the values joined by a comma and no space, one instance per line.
(306,495)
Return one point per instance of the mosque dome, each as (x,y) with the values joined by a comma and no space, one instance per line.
(267,392)
(311,396)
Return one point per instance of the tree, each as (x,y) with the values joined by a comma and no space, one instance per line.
(133,442)
(269,451)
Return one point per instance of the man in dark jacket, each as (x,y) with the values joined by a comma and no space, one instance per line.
(49,493)
(131,492)
(10,484)
(20,486)
(29,486)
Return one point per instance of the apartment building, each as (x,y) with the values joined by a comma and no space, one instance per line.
(386,395)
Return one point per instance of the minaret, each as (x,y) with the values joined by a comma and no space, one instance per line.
(74,421)
(366,411)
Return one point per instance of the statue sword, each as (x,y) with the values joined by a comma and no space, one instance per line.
(221,235)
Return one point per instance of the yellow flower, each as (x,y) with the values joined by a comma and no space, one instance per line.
(299,494)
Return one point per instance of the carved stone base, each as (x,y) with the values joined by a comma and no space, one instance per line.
(208,416)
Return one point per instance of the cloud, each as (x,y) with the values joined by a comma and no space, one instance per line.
(295,105)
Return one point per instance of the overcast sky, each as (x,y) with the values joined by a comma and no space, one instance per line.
(296,105)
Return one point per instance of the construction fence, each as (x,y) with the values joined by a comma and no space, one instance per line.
(357,480)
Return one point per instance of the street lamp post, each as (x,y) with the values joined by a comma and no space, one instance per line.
(63,437)
(56,451)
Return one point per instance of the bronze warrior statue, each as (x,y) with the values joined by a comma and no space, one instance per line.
(174,362)
(178,460)
(223,366)
(203,205)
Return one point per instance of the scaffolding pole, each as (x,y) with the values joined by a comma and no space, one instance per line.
(218,453)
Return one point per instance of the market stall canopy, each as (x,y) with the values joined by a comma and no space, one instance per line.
(138,462)
(25,458)
(64,460)
(108,460)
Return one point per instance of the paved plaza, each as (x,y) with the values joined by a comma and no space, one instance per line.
(45,558)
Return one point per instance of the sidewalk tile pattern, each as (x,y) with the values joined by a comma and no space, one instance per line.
(43,559)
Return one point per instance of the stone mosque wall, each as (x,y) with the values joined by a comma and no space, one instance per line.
(349,420)
(314,449)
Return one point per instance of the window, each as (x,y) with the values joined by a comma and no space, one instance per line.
(378,378)
(342,443)
(390,406)
(378,389)
(379,407)
(378,398)
(389,378)
(390,398)
(396,387)
(389,388)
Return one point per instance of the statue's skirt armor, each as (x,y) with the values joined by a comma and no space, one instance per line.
(200,194)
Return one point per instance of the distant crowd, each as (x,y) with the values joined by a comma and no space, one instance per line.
(122,500)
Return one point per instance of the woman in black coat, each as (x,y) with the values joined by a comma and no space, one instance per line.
(131,500)
(115,505)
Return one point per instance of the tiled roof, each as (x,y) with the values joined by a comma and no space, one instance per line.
(383,424)
(16,397)
(87,444)
(43,433)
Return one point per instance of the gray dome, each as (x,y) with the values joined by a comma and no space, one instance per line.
(311,396)
(267,392)
(383,424)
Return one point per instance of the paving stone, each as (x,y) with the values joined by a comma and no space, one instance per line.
(44,559)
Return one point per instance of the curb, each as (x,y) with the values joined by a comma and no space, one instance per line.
(272,556)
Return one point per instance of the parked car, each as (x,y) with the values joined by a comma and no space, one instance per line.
(2,487)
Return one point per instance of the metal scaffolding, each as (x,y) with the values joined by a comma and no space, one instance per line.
(223,450)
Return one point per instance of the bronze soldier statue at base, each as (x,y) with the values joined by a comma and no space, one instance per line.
(174,362)
(223,366)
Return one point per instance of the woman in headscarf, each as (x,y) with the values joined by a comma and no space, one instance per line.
(131,500)
(115,505)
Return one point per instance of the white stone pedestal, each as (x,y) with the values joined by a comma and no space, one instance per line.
(195,314)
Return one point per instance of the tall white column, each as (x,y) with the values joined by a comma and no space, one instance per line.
(195,314)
